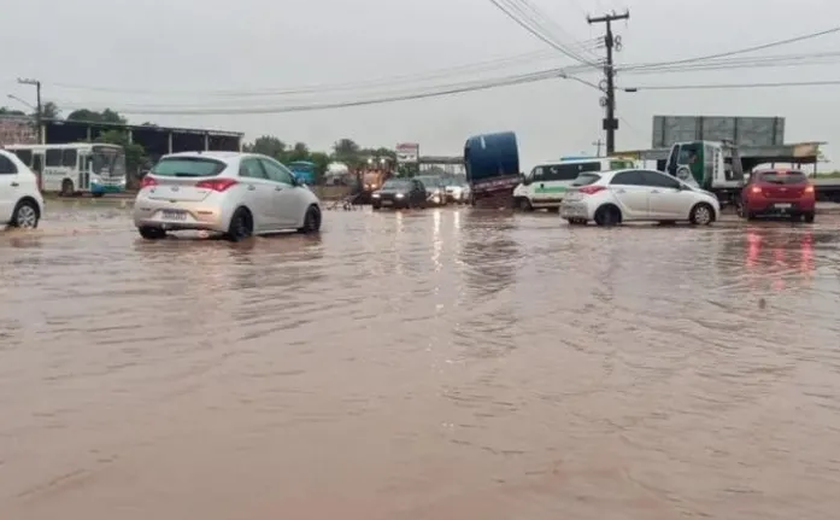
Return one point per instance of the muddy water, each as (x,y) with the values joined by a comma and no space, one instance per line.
(435,365)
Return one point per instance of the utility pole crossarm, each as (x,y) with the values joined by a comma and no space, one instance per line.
(608,17)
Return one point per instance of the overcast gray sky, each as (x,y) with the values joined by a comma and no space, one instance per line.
(177,52)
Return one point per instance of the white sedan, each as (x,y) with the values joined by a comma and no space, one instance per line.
(237,194)
(21,203)
(610,198)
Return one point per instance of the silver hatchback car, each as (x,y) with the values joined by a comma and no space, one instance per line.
(237,194)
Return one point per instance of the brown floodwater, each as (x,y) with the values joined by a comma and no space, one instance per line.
(444,364)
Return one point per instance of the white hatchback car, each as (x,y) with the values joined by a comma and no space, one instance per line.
(237,194)
(610,198)
(21,202)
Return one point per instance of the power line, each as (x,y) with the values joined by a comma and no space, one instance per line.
(744,50)
(735,85)
(488,64)
(500,82)
(506,7)
(471,68)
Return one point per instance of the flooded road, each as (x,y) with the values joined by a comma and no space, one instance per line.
(445,364)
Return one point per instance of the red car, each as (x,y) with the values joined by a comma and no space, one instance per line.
(778,192)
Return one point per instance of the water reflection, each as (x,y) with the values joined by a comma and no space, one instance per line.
(779,251)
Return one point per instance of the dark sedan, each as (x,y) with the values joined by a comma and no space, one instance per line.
(400,193)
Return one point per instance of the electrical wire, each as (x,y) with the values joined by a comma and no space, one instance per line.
(506,7)
(743,50)
(455,89)
(722,86)
(553,28)
(471,69)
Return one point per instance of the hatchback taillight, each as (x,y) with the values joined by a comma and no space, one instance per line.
(809,188)
(591,190)
(148,182)
(217,184)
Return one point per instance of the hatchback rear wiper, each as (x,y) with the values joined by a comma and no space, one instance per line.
(180,174)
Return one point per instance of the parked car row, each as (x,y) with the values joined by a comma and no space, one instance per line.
(420,192)
(636,195)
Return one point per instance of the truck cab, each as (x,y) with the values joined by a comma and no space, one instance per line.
(714,166)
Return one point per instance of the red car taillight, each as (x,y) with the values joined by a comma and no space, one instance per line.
(219,185)
(809,189)
(591,190)
(755,190)
(148,182)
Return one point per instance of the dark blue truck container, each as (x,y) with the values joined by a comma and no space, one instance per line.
(492,163)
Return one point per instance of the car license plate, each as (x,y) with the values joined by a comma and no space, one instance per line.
(783,206)
(174,215)
(387,202)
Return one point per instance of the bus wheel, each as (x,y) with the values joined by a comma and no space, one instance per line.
(67,188)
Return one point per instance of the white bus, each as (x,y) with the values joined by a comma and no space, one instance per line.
(75,168)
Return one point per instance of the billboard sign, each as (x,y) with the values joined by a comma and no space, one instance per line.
(743,131)
(408,153)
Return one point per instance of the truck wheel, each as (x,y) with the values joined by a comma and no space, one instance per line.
(524,204)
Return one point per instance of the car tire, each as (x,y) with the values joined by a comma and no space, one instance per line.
(523,204)
(241,225)
(608,215)
(375,207)
(151,233)
(809,218)
(26,215)
(702,214)
(311,221)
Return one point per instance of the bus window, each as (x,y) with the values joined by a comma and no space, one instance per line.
(25,157)
(53,158)
(69,158)
(38,163)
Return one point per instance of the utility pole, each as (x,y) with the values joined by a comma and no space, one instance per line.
(598,144)
(610,124)
(39,110)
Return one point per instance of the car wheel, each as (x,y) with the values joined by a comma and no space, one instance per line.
(809,218)
(26,215)
(375,207)
(702,214)
(608,215)
(152,233)
(312,221)
(241,225)
(67,188)
(524,205)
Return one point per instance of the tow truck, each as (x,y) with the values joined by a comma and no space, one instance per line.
(721,167)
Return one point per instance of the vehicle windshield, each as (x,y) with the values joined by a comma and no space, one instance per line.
(621,165)
(396,184)
(585,179)
(456,181)
(429,180)
(106,160)
(188,167)
(780,177)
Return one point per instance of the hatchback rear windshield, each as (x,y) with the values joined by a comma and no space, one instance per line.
(790,177)
(585,179)
(188,167)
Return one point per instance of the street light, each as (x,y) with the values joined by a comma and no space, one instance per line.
(22,102)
